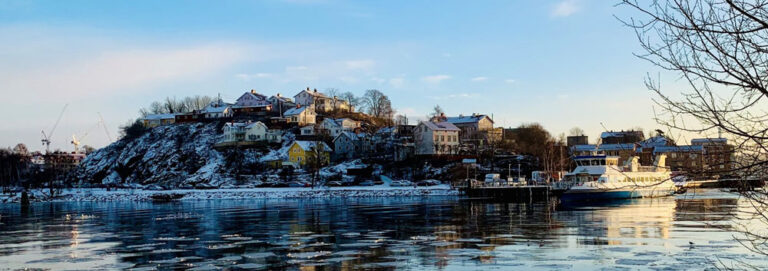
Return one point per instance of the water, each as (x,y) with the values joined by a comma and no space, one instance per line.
(437,233)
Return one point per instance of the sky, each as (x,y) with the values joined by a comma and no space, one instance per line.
(560,63)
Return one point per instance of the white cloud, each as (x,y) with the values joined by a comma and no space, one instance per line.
(248,77)
(118,69)
(565,8)
(349,79)
(295,68)
(396,82)
(454,96)
(435,79)
(509,81)
(359,64)
(480,79)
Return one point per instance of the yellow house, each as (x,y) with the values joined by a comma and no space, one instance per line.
(154,120)
(302,152)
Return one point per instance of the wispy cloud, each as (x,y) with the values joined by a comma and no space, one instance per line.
(361,64)
(435,79)
(509,81)
(454,96)
(396,82)
(480,79)
(565,8)
(248,77)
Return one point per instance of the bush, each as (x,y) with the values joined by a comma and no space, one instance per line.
(132,130)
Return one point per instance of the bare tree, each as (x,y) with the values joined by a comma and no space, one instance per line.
(377,104)
(333,94)
(576,131)
(718,47)
(351,99)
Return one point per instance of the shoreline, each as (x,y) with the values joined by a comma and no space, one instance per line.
(102,195)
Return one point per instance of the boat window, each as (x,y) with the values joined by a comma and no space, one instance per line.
(602,162)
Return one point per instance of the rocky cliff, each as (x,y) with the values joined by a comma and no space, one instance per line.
(172,156)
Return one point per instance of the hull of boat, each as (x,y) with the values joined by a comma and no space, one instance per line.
(604,194)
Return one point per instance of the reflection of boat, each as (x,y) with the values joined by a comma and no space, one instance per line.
(601,178)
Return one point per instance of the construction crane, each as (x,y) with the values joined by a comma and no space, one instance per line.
(77,141)
(47,137)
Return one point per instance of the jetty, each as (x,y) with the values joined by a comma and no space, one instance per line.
(513,193)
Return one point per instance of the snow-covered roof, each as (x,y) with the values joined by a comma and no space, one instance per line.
(295,111)
(255,124)
(160,116)
(688,148)
(584,148)
(349,135)
(699,141)
(308,145)
(467,119)
(655,141)
(440,126)
(616,147)
(216,107)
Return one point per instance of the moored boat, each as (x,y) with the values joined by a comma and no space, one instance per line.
(601,177)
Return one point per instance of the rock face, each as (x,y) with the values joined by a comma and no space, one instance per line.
(172,156)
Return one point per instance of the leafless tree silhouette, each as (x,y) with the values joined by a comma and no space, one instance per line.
(719,48)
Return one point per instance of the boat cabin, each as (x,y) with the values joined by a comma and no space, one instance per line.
(598,160)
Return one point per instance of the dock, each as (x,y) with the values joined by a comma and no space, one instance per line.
(524,193)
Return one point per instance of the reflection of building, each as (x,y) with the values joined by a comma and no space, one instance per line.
(627,224)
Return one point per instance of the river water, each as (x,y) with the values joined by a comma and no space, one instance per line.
(687,232)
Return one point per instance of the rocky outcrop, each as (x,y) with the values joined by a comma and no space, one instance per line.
(172,156)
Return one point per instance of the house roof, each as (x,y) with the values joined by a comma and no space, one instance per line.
(159,116)
(308,145)
(654,142)
(349,135)
(440,126)
(295,111)
(699,141)
(255,124)
(216,107)
(313,93)
(281,98)
(467,119)
(686,148)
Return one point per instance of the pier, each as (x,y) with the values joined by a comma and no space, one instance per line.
(522,193)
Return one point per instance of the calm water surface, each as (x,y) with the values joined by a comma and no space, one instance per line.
(437,233)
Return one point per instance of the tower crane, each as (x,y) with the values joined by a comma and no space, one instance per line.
(47,137)
(77,141)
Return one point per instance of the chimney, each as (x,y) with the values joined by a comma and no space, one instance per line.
(307,88)
(253,91)
(278,95)
(315,90)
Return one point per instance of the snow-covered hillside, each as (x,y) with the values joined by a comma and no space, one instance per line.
(172,155)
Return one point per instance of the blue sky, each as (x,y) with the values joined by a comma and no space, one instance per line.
(562,63)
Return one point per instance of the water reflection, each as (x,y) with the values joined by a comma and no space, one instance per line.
(379,234)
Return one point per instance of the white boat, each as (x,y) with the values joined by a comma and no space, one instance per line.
(601,177)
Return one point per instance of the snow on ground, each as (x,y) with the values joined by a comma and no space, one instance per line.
(99,194)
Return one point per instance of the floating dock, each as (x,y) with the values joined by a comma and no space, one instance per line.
(526,193)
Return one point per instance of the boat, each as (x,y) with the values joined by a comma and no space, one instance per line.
(599,177)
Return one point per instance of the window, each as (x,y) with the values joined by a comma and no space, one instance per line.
(442,138)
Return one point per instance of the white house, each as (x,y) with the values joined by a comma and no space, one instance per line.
(275,136)
(308,130)
(256,131)
(320,102)
(154,120)
(217,110)
(251,102)
(281,103)
(331,127)
(301,115)
(234,131)
(436,138)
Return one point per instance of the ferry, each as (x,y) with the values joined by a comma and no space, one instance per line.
(600,177)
